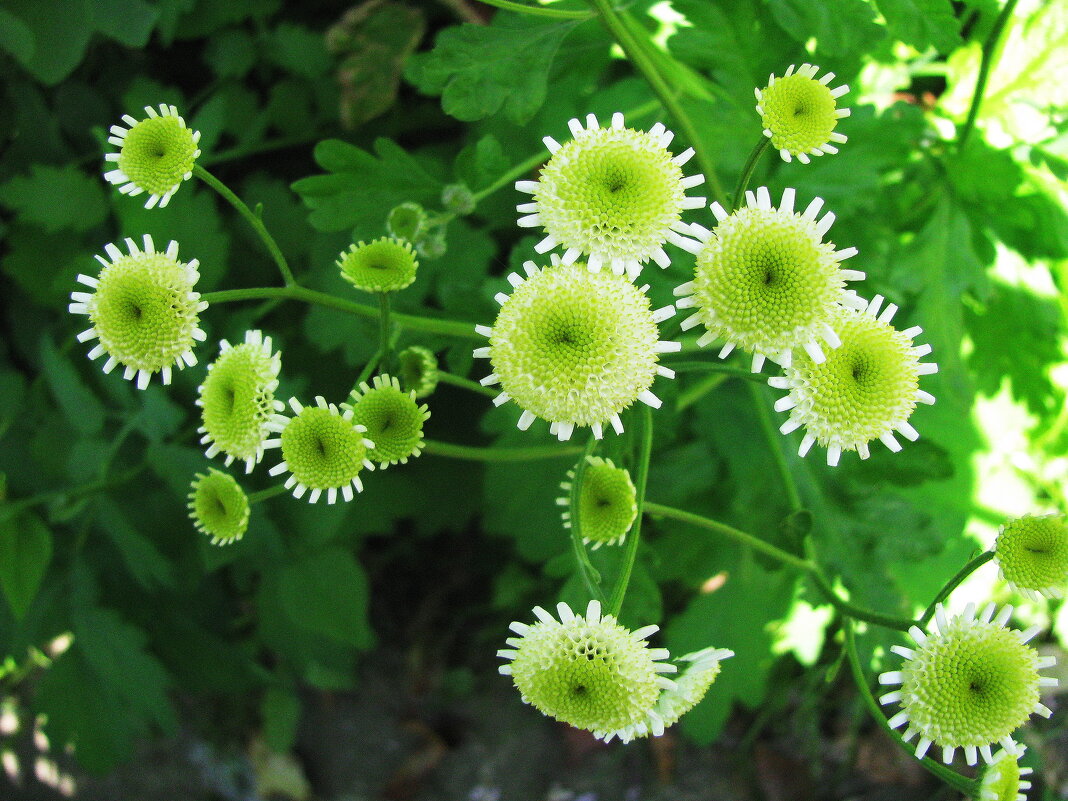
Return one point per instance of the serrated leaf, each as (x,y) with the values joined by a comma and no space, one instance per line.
(281,713)
(142,558)
(362,187)
(80,406)
(230,53)
(25,553)
(846,26)
(480,70)
(327,593)
(64,25)
(922,23)
(55,198)
(16,37)
(129,22)
(299,50)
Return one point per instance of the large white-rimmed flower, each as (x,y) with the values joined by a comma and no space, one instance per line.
(866,389)
(614,195)
(607,502)
(1003,779)
(765,280)
(690,687)
(143,311)
(800,113)
(391,417)
(588,671)
(155,155)
(237,399)
(1032,553)
(575,348)
(323,450)
(969,683)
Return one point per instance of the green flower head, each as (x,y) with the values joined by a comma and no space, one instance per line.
(155,155)
(1003,779)
(765,280)
(574,347)
(614,195)
(865,389)
(237,400)
(588,671)
(392,419)
(801,113)
(143,311)
(607,502)
(384,265)
(218,507)
(968,683)
(690,688)
(418,370)
(323,450)
(1032,553)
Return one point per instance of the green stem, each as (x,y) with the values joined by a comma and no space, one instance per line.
(641,476)
(789,559)
(365,373)
(538,11)
(452,328)
(252,219)
(264,494)
(466,383)
(747,172)
(481,454)
(590,575)
(984,71)
(953,583)
(644,64)
(384,350)
(950,777)
(12,508)
(774,440)
(717,367)
(258,148)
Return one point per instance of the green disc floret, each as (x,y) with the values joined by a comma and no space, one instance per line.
(218,507)
(1032,553)
(607,502)
(155,154)
(418,370)
(392,419)
(237,399)
(800,113)
(383,265)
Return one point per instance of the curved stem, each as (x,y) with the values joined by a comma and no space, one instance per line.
(264,494)
(258,148)
(383,331)
(747,172)
(789,559)
(716,367)
(644,64)
(760,401)
(590,575)
(538,11)
(481,454)
(950,777)
(14,507)
(452,328)
(466,383)
(365,373)
(984,71)
(251,218)
(953,583)
(641,476)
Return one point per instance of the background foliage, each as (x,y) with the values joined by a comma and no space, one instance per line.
(329,117)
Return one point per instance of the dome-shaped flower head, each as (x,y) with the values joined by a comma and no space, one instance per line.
(575,348)
(800,113)
(690,688)
(237,399)
(614,195)
(155,155)
(323,450)
(392,419)
(1003,779)
(143,311)
(865,389)
(218,507)
(1032,553)
(607,502)
(969,683)
(765,280)
(418,370)
(588,671)
(383,265)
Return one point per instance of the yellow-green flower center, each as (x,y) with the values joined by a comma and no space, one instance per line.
(157,154)
(321,449)
(219,507)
